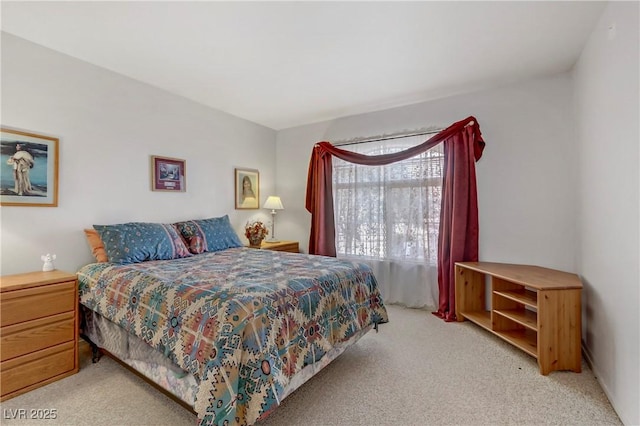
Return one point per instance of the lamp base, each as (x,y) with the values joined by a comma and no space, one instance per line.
(271,240)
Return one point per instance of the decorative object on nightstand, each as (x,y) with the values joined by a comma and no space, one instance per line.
(38,330)
(255,232)
(48,262)
(274,203)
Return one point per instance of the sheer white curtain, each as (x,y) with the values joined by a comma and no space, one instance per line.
(388,217)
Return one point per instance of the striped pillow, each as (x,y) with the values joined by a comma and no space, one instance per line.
(137,242)
(209,234)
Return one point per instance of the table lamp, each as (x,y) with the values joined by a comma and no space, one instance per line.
(274,203)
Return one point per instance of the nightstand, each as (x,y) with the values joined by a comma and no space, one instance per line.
(290,246)
(38,330)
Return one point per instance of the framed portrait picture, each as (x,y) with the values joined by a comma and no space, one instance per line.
(247,189)
(168,174)
(28,169)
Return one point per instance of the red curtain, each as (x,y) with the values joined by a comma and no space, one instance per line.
(458,235)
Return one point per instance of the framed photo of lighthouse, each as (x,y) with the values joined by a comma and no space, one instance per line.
(28,169)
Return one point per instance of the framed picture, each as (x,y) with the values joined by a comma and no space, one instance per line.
(168,174)
(28,169)
(247,189)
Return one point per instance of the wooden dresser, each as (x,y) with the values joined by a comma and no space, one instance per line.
(536,309)
(38,330)
(290,246)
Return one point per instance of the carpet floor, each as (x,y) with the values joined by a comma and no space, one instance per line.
(417,370)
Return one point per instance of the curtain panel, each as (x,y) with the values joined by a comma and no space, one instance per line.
(388,217)
(458,235)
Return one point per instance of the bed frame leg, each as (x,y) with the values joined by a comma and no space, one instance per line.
(96,354)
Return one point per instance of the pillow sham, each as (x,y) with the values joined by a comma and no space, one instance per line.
(95,243)
(209,234)
(138,241)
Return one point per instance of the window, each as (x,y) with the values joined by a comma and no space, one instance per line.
(389,212)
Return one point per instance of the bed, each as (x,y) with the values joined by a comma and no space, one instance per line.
(232,331)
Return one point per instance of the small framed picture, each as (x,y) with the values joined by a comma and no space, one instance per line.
(247,189)
(28,169)
(168,174)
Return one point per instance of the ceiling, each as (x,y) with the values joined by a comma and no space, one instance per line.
(284,64)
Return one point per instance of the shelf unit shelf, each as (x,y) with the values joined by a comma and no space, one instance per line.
(526,297)
(521,316)
(525,340)
(535,309)
(483,319)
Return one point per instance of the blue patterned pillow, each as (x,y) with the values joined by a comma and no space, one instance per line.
(209,234)
(136,242)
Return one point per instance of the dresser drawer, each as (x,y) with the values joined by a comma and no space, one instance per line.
(31,336)
(37,302)
(37,367)
(291,248)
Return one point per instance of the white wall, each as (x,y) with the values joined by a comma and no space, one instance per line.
(607,122)
(526,177)
(108,126)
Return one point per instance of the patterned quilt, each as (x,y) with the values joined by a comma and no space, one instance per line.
(242,321)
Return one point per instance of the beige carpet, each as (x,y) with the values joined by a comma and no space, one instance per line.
(417,370)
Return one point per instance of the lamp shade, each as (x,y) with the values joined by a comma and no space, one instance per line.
(273,203)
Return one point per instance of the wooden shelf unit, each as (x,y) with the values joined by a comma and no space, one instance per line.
(535,309)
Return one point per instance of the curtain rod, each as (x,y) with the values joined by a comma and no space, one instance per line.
(389,137)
